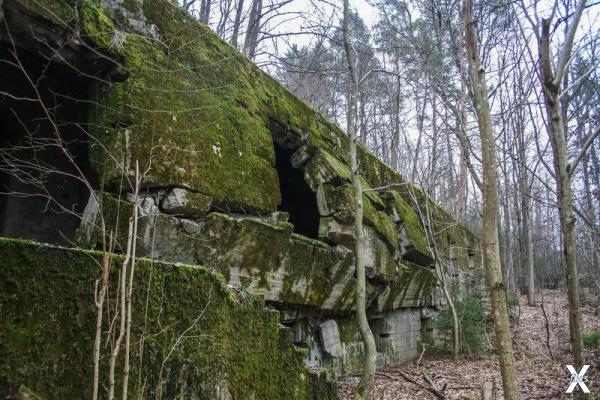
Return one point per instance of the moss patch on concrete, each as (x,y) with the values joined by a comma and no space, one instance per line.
(446,230)
(415,287)
(285,266)
(48,325)
(198,108)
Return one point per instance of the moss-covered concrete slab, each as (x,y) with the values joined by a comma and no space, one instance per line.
(186,203)
(338,201)
(219,344)
(416,286)
(413,239)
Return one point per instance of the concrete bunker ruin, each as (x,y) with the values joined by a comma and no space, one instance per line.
(246,180)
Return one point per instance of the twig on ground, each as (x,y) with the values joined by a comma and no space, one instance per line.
(431,389)
(547,330)
(421,356)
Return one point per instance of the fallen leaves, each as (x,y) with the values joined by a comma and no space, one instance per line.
(540,376)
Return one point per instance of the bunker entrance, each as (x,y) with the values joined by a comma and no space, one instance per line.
(297,198)
(43,147)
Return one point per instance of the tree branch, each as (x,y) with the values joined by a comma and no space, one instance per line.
(567,47)
(588,142)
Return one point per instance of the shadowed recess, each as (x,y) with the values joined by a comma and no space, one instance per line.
(297,199)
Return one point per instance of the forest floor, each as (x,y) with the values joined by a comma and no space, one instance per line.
(541,375)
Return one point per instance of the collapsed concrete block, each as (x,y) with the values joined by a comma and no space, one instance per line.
(323,167)
(343,287)
(186,203)
(413,239)
(380,265)
(330,338)
(415,286)
(338,201)
(301,156)
(332,231)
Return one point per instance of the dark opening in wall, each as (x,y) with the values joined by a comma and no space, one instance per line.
(41,197)
(297,198)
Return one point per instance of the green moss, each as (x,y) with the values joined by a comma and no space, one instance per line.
(446,230)
(324,167)
(60,12)
(133,6)
(306,266)
(226,242)
(414,287)
(97,25)
(202,115)
(183,110)
(350,337)
(340,201)
(46,342)
(591,339)
(411,224)
(375,171)
(200,110)
(285,266)
(381,223)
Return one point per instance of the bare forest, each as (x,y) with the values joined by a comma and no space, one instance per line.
(490,107)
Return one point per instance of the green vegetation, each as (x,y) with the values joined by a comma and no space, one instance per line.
(48,325)
(411,224)
(203,113)
(472,319)
(512,300)
(591,339)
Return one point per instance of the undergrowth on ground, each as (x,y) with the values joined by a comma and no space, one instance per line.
(591,339)
(472,320)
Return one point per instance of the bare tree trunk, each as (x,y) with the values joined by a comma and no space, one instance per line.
(236,23)
(205,11)
(396,134)
(251,41)
(224,12)
(551,83)
(490,211)
(420,122)
(122,305)
(431,179)
(130,284)
(368,375)
(527,253)
(99,297)
(525,192)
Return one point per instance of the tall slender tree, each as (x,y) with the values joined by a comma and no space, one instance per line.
(551,80)
(370,352)
(491,247)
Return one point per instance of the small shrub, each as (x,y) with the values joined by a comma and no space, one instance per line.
(471,318)
(591,339)
(512,300)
